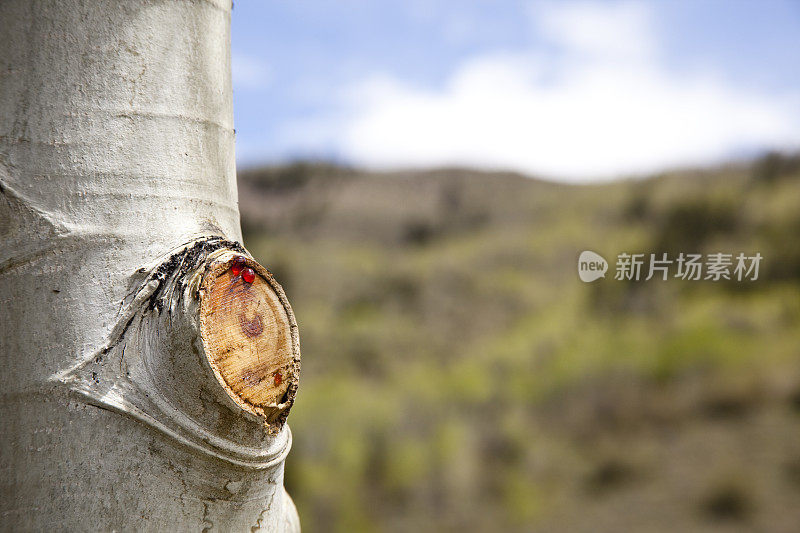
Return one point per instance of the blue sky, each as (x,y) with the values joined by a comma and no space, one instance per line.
(568,90)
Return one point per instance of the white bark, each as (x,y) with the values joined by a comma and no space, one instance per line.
(117,186)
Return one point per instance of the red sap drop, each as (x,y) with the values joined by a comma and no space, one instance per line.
(238,265)
(248,275)
(278,378)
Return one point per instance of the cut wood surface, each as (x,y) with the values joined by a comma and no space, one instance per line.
(247,335)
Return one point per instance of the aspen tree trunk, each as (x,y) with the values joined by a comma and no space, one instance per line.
(147,362)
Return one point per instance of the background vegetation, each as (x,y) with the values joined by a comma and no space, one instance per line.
(457,376)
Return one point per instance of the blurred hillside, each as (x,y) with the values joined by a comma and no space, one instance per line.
(458,376)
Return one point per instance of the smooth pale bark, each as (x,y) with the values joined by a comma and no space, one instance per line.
(117,194)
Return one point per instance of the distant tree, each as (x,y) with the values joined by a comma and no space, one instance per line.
(774,165)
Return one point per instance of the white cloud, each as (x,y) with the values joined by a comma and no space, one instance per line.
(248,72)
(600,106)
(610,30)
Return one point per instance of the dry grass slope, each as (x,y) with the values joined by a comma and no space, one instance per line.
(457,376)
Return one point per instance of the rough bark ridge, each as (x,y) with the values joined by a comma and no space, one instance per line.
(118,220)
